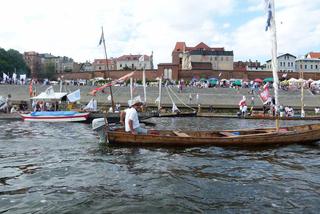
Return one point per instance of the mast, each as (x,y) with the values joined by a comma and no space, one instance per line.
(131,88)
(108,76)
(274,54)
(144,84)
(271,23)
(302,95)
(160,87)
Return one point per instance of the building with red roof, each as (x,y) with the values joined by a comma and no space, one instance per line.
(313,55)
(104,65)
(190,58)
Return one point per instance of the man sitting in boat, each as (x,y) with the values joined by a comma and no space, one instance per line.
(131,119)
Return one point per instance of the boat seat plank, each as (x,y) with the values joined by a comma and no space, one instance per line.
(181,134)
(228,134)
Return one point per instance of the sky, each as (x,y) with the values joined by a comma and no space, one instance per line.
(72,28)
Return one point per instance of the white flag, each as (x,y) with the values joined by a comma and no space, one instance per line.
(49,91)
(74,96)
(174,107)
(91,106)
(4,76)
(269,13)
(157,100)
(141,58)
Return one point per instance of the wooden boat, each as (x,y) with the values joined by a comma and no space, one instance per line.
(257,116)
(56,116)
(239,138)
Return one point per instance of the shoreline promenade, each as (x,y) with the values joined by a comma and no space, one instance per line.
(221,98)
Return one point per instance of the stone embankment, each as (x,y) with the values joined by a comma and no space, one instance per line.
(218,98)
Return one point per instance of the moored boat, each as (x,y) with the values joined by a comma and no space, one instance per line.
(257,116)
(239,138)
(56,116)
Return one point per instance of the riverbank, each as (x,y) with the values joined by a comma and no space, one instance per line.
(219,99)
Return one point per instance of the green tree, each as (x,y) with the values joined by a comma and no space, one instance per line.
(12,61)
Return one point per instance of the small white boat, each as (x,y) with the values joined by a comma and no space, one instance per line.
(56,116)
(50,96)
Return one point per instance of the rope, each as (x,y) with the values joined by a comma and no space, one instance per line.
(169,95)
(181,100)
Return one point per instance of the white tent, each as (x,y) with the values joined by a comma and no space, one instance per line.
(51,96)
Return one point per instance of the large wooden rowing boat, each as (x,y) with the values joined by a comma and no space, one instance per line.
(241,138)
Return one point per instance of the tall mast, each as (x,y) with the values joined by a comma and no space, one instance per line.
(105,52)
(274,54)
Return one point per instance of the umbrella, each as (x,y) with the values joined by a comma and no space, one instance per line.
(269,79)
(258,80)
(203,80)
(213,81)
(195,79)
(237,82)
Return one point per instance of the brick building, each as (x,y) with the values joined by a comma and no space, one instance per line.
(102,64)
(33,61)
(189,58)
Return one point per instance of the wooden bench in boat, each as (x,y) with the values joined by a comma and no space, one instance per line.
(181,134)
(228,134)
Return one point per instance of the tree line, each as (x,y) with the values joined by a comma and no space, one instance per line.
(12,61)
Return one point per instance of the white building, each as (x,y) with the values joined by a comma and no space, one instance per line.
(308,65)
(286,63)
(132,62)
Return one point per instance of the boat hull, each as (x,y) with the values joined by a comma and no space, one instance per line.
(258,117)
(78,117)
(250,137)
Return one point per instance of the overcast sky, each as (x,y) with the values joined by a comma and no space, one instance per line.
(73,28)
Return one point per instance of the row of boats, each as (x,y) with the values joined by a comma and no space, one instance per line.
(117,135)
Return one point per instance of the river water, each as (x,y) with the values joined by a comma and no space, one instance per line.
(61,168)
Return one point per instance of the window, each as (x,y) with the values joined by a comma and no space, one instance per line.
(120,65)
(311,66)
(300,66)
(288,64)
(316,66)
(280,63)
(167,73)
(305,66)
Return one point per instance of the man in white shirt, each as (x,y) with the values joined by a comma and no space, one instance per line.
(131,120)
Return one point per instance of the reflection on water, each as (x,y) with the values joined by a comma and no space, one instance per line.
(60,167)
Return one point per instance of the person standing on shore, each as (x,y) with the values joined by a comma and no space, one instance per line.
(8,103)
(243,106)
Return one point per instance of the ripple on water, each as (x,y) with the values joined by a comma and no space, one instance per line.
(56,167)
